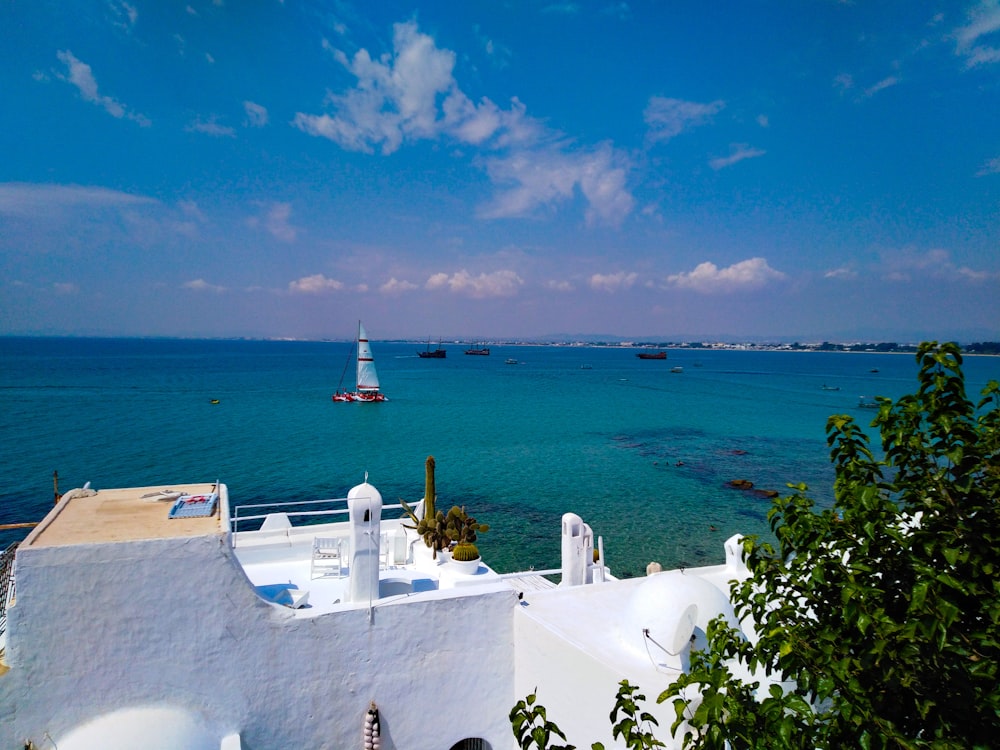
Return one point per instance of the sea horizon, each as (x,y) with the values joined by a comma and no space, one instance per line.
(643,454)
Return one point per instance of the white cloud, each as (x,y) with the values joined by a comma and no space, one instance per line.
(904,265)
(763,121)
(256,114)
(211,127)
(22,199)
(548,176)
(396,286)
(559,286)
(315,284)
(80,75)
(990,167)
(124,15)
(496,284)
(881,85)
(65,288)
(667,118)
(984,21)
(613,282)
(738,152)
(275,221)
(843,82)
(844,272)
(395,98)
(708,278)
(200,285)
(412,95)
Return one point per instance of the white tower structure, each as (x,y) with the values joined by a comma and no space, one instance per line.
(364,504)
(577,550)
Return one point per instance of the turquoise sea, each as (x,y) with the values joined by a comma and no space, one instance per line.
(641,453)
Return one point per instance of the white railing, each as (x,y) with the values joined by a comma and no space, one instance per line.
(296,517)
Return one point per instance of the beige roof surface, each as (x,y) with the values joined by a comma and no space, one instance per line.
(121,515)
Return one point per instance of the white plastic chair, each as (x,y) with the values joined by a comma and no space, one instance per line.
(327,556)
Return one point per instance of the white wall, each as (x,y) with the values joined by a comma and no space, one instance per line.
(175,623)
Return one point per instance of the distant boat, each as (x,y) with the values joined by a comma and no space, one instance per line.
(482,351)
(429,353)
(510,361)
(366,388)
(586,367)
(214,401)
(867,403)
(651,355)
(677,368)
(829,387)
(874,369)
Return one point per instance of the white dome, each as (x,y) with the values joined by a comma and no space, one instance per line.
(365,490)
(148,728)
(665,609)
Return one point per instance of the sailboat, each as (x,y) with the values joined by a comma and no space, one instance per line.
(366,379)
(429,353)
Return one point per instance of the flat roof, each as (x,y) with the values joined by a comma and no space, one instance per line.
(122,515)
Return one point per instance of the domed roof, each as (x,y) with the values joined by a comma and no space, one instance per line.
(664,610)
(365,490)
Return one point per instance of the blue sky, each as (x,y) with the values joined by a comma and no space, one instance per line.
(675,170)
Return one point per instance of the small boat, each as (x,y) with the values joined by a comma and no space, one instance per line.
(482,351)
(652,355)
(214,401)
(366,386)
(586,367)
(429,353)
(511,361)
(826,387)
(677,369)
(867,403)
(874,369)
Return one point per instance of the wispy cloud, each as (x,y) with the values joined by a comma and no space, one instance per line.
(667,118)
(79,74)
(496,284)
(412,95)
(22,199)
(909,264)
(529,180)
(315,284)
(738,152)
(990,167)
(885,83)
(211,126)
(275,220)
(613,282)
(200,285)
(123,15)
(256,114)
(983,21)
(844,272)
(709,278)
(843,82)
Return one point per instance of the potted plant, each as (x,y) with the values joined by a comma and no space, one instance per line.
(455,531)
(463,529)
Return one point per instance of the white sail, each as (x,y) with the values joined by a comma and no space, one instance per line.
(367,376)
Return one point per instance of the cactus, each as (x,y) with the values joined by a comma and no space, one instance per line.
(430,494)
(464,552)
(440,530)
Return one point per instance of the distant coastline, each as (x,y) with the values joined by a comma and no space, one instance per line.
(989,348)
